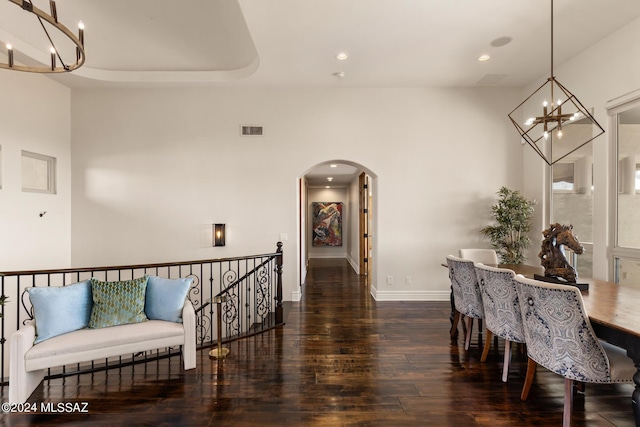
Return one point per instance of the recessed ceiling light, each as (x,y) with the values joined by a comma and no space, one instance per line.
(483,58)
(329,178)
(333,165)
(341,56)
(339,74)
(328,186)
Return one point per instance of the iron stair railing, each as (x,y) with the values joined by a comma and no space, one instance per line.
(253,285)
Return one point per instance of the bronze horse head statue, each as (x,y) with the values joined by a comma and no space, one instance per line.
(555,264)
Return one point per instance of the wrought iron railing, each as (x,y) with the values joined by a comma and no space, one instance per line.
(252,285)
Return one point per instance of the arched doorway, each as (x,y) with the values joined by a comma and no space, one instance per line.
(353,185)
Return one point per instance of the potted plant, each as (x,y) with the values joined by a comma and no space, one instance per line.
(510,237)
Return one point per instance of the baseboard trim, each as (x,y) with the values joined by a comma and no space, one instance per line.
(341,255)
(410,295)
(354,264)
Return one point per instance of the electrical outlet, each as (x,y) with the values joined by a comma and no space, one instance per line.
(407,280)
(389,280)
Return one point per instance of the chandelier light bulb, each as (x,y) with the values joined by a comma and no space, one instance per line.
(80,36)
(546,135)
(10,55)
(560,134)
(53,58)
(529,121)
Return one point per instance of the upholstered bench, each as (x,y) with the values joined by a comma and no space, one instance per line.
(94,320)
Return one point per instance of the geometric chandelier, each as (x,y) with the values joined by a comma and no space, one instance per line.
(557,123)
(55,64)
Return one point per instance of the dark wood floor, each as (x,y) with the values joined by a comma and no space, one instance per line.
(341,359)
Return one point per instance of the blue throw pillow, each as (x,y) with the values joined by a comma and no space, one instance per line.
(117,303)
(60,309)
(165,298)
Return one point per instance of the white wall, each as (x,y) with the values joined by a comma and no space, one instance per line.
(154,168)
(601,73)
(34,116)
(329,195)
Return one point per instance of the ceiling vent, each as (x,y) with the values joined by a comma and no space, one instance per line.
(246,130)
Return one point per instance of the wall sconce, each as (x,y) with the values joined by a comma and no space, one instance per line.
(218,234)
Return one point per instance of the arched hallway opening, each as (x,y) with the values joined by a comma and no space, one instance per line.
(352,186)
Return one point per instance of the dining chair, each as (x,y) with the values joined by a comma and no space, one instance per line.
(560,338)
(466,294)
(501,310)
(485,256)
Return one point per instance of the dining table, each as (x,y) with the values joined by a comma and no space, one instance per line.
(614,312)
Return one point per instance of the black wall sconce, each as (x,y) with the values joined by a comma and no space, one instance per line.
(218,235)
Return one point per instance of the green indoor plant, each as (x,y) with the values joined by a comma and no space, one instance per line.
(510,237)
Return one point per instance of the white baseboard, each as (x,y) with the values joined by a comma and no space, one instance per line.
(354,264)
(296,296)
(328,256)
(401,295)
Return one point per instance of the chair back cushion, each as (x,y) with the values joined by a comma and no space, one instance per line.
(558,333)
(464,284)
(485,256)
(500,302)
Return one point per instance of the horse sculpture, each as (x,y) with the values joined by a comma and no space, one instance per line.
(555,264)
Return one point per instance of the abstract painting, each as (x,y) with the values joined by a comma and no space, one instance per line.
(327,223)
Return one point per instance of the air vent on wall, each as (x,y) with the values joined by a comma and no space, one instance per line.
(246,130)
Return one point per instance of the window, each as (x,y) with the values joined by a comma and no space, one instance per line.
(572,203)
(625,165)
(628,200)
(627,271)
(38,173)
(563,177)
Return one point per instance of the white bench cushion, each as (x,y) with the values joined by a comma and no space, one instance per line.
(89,344)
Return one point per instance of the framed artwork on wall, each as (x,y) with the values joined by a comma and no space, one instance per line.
(327,223)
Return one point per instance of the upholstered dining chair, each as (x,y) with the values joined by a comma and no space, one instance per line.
(501,310)
(466,293)
(485,256)
(560,338)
